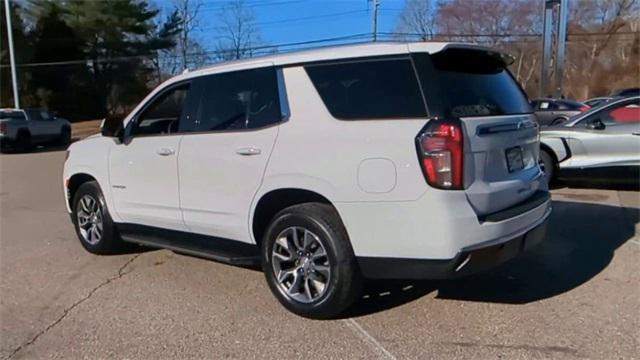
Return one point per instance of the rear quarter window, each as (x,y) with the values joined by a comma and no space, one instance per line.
(16,115)
(465,83)
(369,89)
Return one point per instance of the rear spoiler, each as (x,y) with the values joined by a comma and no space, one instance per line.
(505,58)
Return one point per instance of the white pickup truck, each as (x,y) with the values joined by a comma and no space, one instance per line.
(22,129)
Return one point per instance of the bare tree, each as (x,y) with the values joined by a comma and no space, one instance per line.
(239,32)
(598,45)
(417,19)
(188,48)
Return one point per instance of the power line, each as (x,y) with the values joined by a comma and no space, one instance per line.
(223,7)
(316,41)
(290,20)
(204,53)
(498,35)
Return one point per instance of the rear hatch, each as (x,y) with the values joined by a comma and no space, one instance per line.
(473,86)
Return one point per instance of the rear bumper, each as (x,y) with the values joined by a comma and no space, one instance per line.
(469,260)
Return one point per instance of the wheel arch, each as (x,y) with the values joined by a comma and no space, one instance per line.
(74,182)
(276,200)
(546,148)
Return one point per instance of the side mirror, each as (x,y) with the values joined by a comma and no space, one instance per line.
(112,127)
(596,124)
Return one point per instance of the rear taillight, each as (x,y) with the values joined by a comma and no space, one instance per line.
(584,108)
(3,128)
(441,153)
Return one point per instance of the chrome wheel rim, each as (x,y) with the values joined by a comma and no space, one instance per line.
(90,221)
(300,265)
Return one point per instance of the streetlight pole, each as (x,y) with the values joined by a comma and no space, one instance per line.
(561,44)
(376,5)
(12,55)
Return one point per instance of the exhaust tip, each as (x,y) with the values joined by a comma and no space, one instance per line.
(463,263)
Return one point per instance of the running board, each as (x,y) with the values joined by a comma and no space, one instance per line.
(209,247)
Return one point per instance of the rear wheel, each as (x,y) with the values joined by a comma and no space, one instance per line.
(23,142)
(92,221)
(65,137)
(308,261)
(547,165)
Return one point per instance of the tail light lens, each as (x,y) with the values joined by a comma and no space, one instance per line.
(584,108)
(3,128)
(440,149)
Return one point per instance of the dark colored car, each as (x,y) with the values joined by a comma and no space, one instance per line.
(626,92)
(23,129)
(597,101)
(556,111)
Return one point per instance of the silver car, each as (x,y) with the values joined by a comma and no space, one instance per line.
(602,144)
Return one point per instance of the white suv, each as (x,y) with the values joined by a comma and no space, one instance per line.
(387,160)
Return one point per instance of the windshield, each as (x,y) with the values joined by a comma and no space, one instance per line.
(466,83)
(580,118)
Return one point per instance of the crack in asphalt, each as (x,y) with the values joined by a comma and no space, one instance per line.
(547,350)
(120,274)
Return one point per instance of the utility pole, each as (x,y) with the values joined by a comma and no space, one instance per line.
(561,43)
(546,47)
(376,5)
(12,55)
(553,10)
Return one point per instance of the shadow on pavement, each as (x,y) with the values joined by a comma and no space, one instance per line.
(580,243)
(631,184)
(37,149)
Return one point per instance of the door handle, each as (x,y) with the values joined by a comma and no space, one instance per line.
(637,133)
(165,151)
(248,151)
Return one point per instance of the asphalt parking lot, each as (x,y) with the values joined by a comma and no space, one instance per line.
(575,296)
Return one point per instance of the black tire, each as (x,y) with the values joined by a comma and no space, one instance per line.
(558,121)
(65,137)
(548,165)
(109,242)
(23,142)
(344,284)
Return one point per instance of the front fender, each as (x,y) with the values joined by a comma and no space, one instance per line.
(557,145)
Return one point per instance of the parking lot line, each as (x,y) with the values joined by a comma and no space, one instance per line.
(375,344)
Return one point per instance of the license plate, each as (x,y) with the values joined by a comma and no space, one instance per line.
(515,160)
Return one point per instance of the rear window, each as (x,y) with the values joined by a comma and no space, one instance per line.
(569,105)
(463,83)
(371,89)
(12,115)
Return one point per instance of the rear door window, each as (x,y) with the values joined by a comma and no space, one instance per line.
(369,89)
(239,100)
(464,83)
(15,115)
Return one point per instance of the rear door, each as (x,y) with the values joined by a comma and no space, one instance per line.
(501,146)
(222,163)
(41,125)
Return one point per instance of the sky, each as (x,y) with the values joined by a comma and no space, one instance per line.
(290,21)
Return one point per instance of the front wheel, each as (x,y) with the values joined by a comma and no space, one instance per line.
(309,263)
(547,165)
(92,221)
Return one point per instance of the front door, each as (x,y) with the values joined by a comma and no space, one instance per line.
(144,168)
(616,143)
